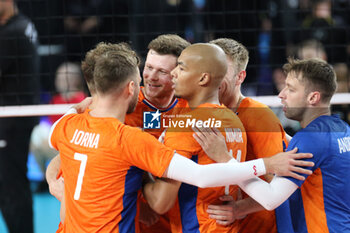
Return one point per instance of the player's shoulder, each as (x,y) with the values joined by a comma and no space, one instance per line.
(251,111)
(69,116)
(255,109)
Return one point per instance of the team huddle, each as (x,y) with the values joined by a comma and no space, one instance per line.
(114,175)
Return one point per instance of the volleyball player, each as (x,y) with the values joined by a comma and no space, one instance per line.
(157,94)
(265,134)
(320,203)
(197,79)
(102,159)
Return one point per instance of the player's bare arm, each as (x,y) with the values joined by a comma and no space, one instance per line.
(282,164)
(161,194)
(56,186)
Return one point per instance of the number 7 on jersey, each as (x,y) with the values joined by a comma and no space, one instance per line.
(83,159)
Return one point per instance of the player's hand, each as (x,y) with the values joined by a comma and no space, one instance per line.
(162,136)
(56,188)
(227,213)
(147,216)
(289,164)
(83,105)
(213,143)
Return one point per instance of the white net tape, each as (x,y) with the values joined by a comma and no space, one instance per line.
(57,109)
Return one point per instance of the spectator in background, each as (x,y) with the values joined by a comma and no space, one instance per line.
(154,17)
(343,110)
(19,85)
(312,49)
(69,86)
(241,20)
(321,25)
(84,24)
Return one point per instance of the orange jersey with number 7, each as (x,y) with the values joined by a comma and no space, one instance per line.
(102,162)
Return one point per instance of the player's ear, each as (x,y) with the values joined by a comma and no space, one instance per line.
(314,97)
(204,80)
(130,87)
(241,77)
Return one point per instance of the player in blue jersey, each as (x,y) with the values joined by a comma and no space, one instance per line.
(321,202)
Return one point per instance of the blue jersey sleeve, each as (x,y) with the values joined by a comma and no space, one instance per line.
(309,142)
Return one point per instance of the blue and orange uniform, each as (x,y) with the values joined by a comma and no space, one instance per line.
(102,162)
(266,137)
(136,119)
(143,105)
(322,203)
(189,213)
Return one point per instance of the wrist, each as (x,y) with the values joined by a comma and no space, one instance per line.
(225,158)
(268,167)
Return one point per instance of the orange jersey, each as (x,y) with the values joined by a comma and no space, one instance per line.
(266,137)
(190,211)
(143,105)
(136,119)
(102,162)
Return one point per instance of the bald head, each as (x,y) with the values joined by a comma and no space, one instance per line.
(207,58)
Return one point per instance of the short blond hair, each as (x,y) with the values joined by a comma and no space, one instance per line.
(235,50)
(114,67)
(88,64)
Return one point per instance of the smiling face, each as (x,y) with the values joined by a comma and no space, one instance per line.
(294,97)
(156,75)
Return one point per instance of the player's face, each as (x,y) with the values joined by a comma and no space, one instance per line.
(156,75)
(294,98)
(133,102)
(185,76)
(227,87)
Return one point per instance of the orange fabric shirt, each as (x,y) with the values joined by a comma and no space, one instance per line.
(143,105)
(266,137)
(136,119)
(190,211)
(102,162)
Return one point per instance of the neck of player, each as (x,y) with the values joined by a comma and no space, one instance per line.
(108,106)
(234,100)
(203,97)
(160,102)
(313,112)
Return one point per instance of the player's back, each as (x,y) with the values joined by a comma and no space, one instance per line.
(101,163)
(265,133)
(266,137)
(190,210)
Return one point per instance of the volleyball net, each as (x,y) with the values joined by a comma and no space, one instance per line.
(271,30)
(58,109)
